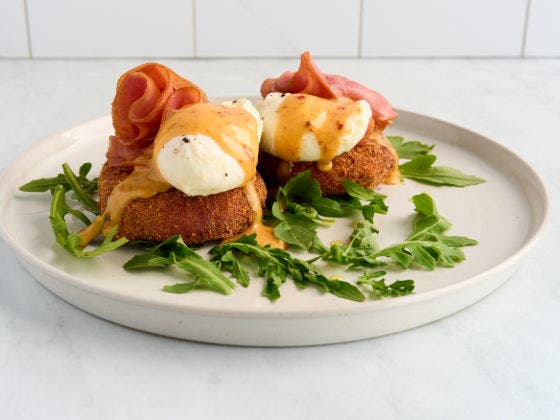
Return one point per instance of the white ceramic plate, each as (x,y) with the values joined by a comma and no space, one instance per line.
(505,215)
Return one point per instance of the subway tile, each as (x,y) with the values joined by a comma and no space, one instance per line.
(477,28)
(13,35)
(108,28)
(543,31)
(264,28)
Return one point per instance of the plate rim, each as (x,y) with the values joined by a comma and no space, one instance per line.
(359,308)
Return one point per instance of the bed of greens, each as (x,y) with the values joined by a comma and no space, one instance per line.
(296,213)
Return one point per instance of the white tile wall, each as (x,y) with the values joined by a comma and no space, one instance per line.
(13,36)
(543,32)
(443,27)
(242,28)
(272,28)
(111,28)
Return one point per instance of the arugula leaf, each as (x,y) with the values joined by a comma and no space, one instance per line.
(358,251)
(358,193)
(363,240)
(297,216)
(428,246)
(409,149)
(302,195)
(297,229)
(380,290)
(174,251)
(49,184)
(46,184)
(276,266)
(420,169)
(184,287)
(230,262)
(299,206)
(353,201)
(79,192)
(82,189)
(71,241)
(429,224)
(149,260)
(270,262)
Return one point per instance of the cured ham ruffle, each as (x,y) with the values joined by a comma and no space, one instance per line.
(144,96)
(309,79)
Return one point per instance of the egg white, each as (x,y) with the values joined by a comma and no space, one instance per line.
(355,128)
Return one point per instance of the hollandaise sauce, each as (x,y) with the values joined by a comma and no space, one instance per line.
(143,182)
(265,234)
(300,114)
(233,129)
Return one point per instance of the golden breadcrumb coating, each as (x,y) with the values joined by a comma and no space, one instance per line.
(197,219)
(369,163)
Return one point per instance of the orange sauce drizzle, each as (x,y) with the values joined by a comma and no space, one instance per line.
(145,181)
(233,129)
(300,114)
(394,178)
(265,234)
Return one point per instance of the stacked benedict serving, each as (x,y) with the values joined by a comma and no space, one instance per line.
(180,165)
(187,167)
(327,124)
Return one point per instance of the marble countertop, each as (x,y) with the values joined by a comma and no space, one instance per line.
(497,359)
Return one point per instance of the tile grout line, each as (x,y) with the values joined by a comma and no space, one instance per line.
(525,28)
(194,28)
(360,29)
(27,30)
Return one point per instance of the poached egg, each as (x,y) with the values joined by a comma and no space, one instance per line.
(301,127)
(205,149)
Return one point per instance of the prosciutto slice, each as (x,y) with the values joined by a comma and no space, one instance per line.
(144,96)
(309,79)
